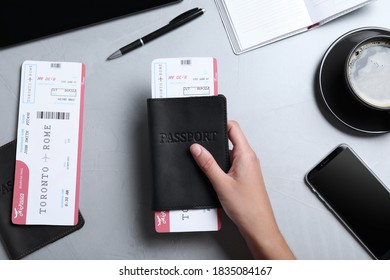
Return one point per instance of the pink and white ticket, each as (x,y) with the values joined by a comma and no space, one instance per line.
(48,155)
(185,77)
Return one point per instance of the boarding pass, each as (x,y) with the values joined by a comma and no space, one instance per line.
(47,170)
(185,77)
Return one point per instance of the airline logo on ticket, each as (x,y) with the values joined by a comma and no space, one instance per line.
(47,170)
(184,77)
(188,220)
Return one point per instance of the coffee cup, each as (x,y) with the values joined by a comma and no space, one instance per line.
(367,72)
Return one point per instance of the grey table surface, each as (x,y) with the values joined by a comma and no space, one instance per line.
(271,92)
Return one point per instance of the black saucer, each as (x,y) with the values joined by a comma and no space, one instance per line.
(334,90)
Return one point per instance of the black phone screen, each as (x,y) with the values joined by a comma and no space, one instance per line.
(357,197)
(20,22)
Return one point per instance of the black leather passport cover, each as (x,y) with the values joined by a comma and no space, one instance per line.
(174,124)
(21,240)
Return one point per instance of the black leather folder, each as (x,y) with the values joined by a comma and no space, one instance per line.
(21,240)
(175,124)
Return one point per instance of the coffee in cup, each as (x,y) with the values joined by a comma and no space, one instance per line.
(368,72)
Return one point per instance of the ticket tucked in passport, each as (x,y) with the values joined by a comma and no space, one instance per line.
(48,153)
(185,77)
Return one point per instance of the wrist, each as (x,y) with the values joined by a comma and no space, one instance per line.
(266,243)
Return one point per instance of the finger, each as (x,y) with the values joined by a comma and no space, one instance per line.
(237,137)
(207,163)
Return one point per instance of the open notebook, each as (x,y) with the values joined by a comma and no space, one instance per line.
(254,23)
(21,22)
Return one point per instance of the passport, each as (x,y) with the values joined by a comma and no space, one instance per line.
(185,77)
(175,124)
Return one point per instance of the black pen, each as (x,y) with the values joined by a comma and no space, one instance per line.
(173,24)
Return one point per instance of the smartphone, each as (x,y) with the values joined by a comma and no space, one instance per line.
(356,196)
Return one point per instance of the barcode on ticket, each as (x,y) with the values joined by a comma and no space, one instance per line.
(186,62)
(55,65)
(53,115)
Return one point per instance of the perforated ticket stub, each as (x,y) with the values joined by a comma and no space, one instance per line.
(185,77)
(48,155)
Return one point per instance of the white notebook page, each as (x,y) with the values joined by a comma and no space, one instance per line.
(322,9)
(258,21)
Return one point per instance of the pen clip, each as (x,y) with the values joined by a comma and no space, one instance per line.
(184,15)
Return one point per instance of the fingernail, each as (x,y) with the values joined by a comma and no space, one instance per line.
(195,150)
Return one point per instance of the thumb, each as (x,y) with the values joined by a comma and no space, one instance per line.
(207,163)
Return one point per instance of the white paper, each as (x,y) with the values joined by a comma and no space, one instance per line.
(254,23)
(257,21)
